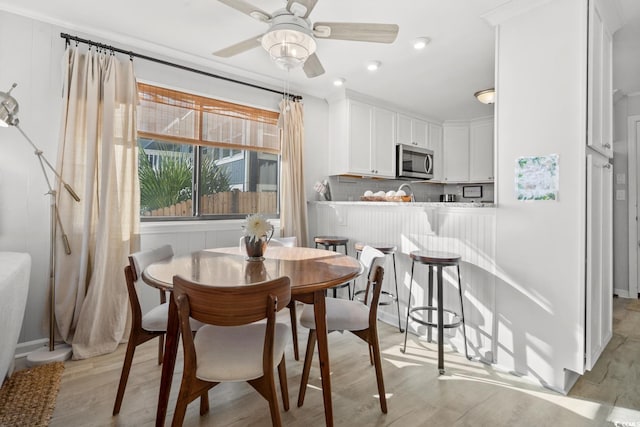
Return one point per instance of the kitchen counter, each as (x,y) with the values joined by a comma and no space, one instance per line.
(412,204)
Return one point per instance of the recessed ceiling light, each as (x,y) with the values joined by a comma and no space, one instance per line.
(420,43)
(339,82)
(373,65)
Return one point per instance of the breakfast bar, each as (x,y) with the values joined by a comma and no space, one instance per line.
(467,229)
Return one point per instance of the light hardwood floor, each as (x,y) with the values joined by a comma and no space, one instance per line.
(470,394)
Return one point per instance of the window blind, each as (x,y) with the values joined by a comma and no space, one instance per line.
(185,118)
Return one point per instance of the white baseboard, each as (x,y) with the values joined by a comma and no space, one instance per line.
(622,293)
(24,348)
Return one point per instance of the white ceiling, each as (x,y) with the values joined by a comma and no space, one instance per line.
(437,82)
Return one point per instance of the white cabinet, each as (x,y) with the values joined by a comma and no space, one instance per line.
(382,143)
(456,153)
(481,151)
(362,139)
(412,131)
(468,151)
(599,275)
(600,94)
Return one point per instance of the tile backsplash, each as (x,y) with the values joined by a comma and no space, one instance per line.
(349,188)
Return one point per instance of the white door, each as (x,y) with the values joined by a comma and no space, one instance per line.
(599,274)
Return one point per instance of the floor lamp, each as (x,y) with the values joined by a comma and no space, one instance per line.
(8,117)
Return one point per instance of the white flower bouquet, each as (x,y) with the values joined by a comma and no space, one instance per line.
(257,226)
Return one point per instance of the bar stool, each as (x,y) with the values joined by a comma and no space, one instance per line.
(437,260)
(386,249)
(332,243)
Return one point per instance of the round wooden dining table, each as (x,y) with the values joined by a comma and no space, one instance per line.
(311,272)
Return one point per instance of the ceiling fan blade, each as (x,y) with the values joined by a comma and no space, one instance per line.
(248,9)
(377,33)
(237,48)
(301,8)
(312,66)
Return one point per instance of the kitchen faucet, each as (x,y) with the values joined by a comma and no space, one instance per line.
(406,185)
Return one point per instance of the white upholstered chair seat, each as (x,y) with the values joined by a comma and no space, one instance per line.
(155,320)
(234,353)
(342,315)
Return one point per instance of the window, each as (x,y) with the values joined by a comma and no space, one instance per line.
(205,158)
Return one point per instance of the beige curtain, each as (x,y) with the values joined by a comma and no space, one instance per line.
(98,157)
(293,203)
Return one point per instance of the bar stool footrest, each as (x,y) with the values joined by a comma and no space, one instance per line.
(457,320)
(389,297)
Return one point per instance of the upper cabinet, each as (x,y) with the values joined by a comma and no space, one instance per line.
(600,94)
(456,153)
(481,151)
(412,131)
(362,139)
(468,151)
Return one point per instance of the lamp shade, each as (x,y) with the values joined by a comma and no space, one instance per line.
(487,96)
(289,41)
(8,109)
(289,48)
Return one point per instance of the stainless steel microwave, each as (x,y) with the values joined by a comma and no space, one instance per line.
(413,162)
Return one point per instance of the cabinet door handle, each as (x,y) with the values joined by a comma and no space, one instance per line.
(607,145)
(606,166)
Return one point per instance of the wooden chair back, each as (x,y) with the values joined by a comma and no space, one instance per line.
(374,286)
(233,305)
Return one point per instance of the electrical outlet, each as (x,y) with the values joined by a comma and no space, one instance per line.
(621,195)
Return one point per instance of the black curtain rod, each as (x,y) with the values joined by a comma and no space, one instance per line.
(132,54)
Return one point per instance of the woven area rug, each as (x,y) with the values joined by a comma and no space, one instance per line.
(29,396)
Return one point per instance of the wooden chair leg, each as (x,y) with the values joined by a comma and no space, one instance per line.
(284,388)
(379,378)
(308,358)
(371,354)
(160,349)
(204,403)
(294,328)
(273,402)
(266,386)
(181,406)
(124,376)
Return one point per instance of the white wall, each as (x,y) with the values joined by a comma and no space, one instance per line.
(31,54)
(541,81)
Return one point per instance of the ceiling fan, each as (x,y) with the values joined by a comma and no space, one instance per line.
(291,38)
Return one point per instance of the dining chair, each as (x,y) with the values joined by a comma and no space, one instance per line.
(359,318)
(233,345)
(150,325)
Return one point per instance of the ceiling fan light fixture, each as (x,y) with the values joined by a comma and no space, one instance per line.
(373,65)
(486,96)
(288,47)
